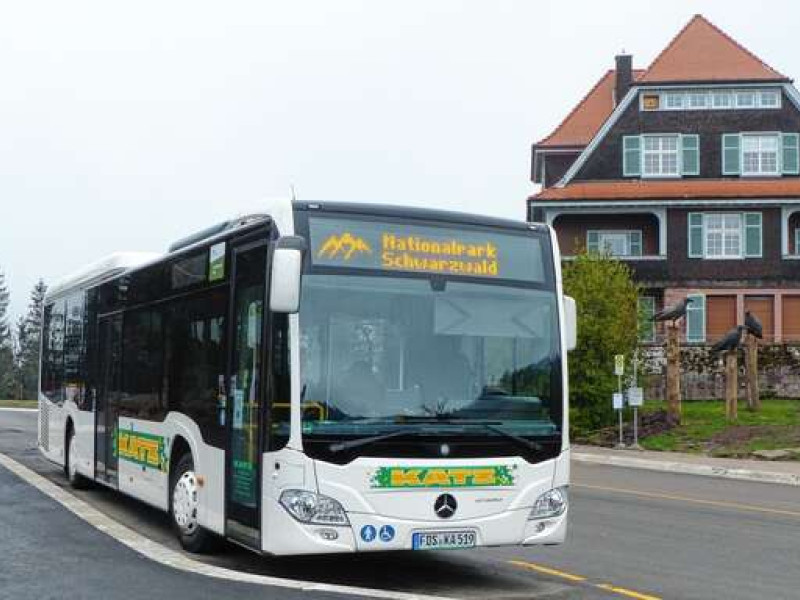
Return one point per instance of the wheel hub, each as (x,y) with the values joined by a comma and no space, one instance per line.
(184,502)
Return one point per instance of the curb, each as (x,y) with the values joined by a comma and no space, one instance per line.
(688,468)
(178,560)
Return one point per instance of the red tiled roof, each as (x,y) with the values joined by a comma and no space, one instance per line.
(580,125)
(699,52)
(703,52)
(673,189)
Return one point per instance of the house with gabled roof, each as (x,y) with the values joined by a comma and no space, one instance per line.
(689,170)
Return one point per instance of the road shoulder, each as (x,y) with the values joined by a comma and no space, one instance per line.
(785,473)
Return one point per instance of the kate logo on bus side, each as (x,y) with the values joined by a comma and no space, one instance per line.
(443,477)
(143,449)
(345,246)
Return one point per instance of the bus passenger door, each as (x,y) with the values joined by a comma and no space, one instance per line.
(245,395)
(109,385)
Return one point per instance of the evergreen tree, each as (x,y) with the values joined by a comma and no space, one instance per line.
(6,344)
(29,330)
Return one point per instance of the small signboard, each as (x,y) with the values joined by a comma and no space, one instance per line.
(619,364)
(635,396)
(617,400)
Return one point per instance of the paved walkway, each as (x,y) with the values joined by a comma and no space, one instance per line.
(785,472)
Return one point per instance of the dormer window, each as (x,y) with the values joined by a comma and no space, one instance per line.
(711,99)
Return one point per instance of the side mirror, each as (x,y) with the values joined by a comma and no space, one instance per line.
(287,265)
(570,322)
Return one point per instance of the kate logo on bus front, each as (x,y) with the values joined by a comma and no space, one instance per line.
(443,477)
(343,246)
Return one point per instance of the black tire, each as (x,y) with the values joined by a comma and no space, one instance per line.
(75,479)
(191,535)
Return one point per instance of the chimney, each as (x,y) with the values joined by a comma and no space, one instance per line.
(624,76)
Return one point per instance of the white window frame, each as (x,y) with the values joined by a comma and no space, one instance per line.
(627,233)
(723,231)
(660,152)
(731,95)
(778,153)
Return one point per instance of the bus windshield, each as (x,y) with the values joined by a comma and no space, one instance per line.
(387,353)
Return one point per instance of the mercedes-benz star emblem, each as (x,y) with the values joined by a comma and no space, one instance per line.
(445,506)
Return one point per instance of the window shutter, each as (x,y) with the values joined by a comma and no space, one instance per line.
(797,241)
(593,241)
(696,319)
(690,159)
(631,156)
(730,153)
(791,153)
(635,243)
(752,234)
(695,235)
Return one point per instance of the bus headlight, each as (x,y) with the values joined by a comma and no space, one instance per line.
(314,509)
(551,504)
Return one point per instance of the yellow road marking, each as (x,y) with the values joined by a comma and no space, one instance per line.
(626,592)
(547,570)
(580,578)
(720,503)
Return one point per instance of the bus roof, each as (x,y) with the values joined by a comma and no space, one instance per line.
(101,270)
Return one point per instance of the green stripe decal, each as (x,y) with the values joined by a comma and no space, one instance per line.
(143,449)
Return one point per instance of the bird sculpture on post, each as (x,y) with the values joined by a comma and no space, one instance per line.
(729,344)
(753,325)
(674,312)
(755,332)
(730,341)
(673,351)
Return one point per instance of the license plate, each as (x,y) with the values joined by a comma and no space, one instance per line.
(443,540)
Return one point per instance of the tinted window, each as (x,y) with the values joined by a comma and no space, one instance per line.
(142,365)
(74,350)
(280,383)
(53,344)
(189,271)
(196,361)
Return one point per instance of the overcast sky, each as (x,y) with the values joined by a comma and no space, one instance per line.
(125,125)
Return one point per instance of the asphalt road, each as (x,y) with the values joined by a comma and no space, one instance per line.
(634,534)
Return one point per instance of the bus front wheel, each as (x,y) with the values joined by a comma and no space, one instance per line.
(184,503)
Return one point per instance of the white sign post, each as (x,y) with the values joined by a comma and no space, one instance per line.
(635,400)
(619,399)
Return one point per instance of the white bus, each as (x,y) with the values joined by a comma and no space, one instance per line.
(322,378)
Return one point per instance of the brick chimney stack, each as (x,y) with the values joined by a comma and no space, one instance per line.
(624,76)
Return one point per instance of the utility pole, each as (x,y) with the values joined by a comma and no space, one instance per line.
(732,385)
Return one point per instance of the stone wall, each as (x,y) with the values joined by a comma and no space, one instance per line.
(703,375)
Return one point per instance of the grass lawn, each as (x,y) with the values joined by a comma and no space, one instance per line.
(18,404)
(705,430)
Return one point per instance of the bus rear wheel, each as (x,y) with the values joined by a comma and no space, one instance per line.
(184,503)
(76,480)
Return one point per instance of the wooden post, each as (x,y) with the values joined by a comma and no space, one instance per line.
(731,384)
(673,371)
(751,366)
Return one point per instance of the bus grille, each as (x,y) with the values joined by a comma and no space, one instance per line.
(44,426)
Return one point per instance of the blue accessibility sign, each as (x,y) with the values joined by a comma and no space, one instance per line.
(368,533)
(386,533)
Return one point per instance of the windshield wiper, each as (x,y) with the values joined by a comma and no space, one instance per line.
(365,441)
(490,425)
(524,442)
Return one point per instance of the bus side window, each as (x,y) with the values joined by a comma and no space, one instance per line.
(141,370)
